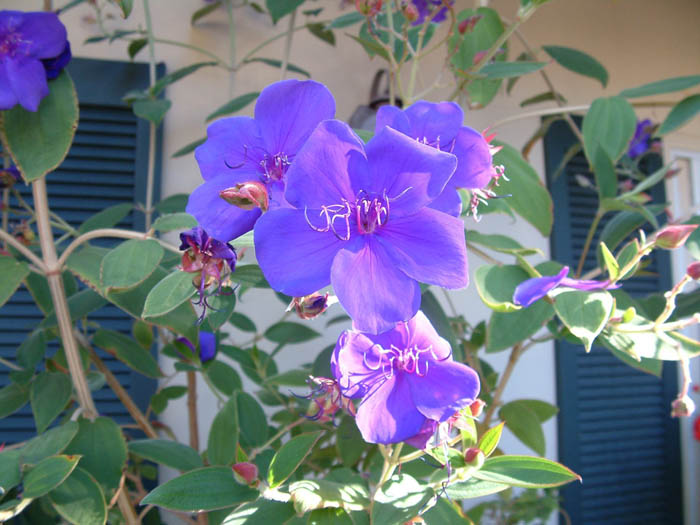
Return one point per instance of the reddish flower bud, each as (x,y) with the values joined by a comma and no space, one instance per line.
(467,25)
(326,400)
(368,7)
(474,457)
(410,12)
(247,196)
(477,407)
(696,428)
(693,271)
(674,236)
(682,406)
(245,472)
(311,306)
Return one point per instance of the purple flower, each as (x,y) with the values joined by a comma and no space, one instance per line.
(642,142)
(531,290)
(207,346)
(25,40)
(407,379)
(260,149)
(54,66)
(9,177)
(440,125)
(426,7)
(359,220)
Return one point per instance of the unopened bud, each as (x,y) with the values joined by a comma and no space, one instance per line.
(247,196)
(411,13)
(693,270)
(474,457)
(246,473)
(467,25)
(629,314)
(682,406)
(9,176)
(674,236)
(368,7)
(477,407)
(310,306)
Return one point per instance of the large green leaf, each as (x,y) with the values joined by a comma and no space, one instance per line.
(290,456)
(347,490)
(474,488)
(127,350)
(281,8)
(671,346)
(260,512)
(681,113)
(506,329)
(130,263)
(13,273)
(399,499)
(609,126)
(165,452)
(510,69)
(286,332)
(174,221)
(584,313)
(496,285)
(10,474)
(39,141)
(224,377)
(79,305)
(249,275)
(223,435)
(578,62)
(12,398)
(32,350)
(48,474)
(251,421)
(50,443)
(176,75)
(153,110)
(668,85)
(106,218)
(168,294)
(215,489)
(525,471)
(49,394)
(525,425)
(80,500)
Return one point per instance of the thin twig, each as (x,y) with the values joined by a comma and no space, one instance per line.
(288,45)
(515,354)
(9,239)
(192,409)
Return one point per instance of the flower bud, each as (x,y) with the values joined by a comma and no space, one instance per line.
(9,176)
(474,457)
(696,429)
(310,306)
(682,406)
(368,7)
(245,472)
(674,236)
(247,196)
(467,25)
(477,407)
(693,270)
(411,13)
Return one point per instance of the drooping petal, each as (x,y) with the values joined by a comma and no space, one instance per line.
(28,80)
(233,144)
(288,112)
(387,414)
(207,346)
(8,99)
(320,173)
(527,292)
(423,335)
(410,174)
(44,33)
(374,292)
(448,201)
(447,387)
(474,167)
(295,259)
(584,284)
(421,439)
(394,118)
(434,123)
(428,246)
(221,220)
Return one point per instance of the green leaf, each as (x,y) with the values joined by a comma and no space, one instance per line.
(80,500)
(224,378)
(38,141)
(281,8)
(525,471)
(605,175)
(371,47)
(168,294)
(151,110)
(202,12)
(173,204)
(609,125)
(621,225)
(322,32)
(49,443)
(668,85)
(47,475)
(499,243)
(648,345)
(222,306)
(79,305)
(610,262)
(649,366)
(107,218)
(10,475)
(525,425)
(103,450)
(578,62)
(234,105)
(130,263)
(126,6)
(496,285)
(251,421)
(349,442)
(527,196)
(223,436)
(543,410)
(243,322)
(286,332)
(176,75)
(249,275)
(348,491)
(489,440)
(278,64)
(12,398)
(32,350)
(584,313)
(474,488)
(174,221)
(135,46)
(290,456)
(216,489)
(399,499)
(346,20)
(13,273)
(261,512)
(506,329)
(510,69)
(681,113)
(49,394)
(189,148)
(542,97)
(165,452)
(128,351)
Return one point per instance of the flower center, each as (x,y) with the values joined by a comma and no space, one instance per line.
(371,213)
(9,44)
(275,166)
(394,359)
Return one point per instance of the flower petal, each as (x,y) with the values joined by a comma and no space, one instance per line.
(435,123)
(428,246)
(8,99)
(421,439)
(423,335)
(232,144)
(387,414)
(45,34)
(374,292)
(447,387)
(448,201)
(353,361)
(221,220)
(474,166)
(409,173)
(28,80)
(295,259)
(527,292)
(207,346)
(288,111)
(394,118)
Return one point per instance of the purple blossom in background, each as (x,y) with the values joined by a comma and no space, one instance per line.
(25,40)
(536,288)
(359,220)
(426,7)
(642,142)
(9,177)
(207,346)
(407,378)
(439,125)
(244,149)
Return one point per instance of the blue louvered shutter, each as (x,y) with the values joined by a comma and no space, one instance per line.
(615,428)
(106,165)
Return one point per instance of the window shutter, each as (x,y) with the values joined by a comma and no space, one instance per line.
(615,428)
(106,165)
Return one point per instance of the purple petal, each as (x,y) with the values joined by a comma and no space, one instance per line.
(448,201)
(394,118)
(54,66)
(295,259)
(288,111)
(8,99)
(28,81)
(423,335)
(374,292)
(428,246)
(527,292)
(320,174)
(409,173)
(387,414)
(222,220)
(434,123)
(474,161)
(352,357)
(233,144)
(421,439)
(45,33)
(207,346)
(582,284)
(447,387)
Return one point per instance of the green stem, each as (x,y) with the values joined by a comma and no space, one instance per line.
(193,48)
(278,435)
(589,238)
(152,127)
(213,389)
(231,44)
(394,72)
(288,45)
(9,364)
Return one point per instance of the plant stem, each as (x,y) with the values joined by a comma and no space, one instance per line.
(192,409)
(9,239)
(589,238)
(394,71)
(274,438)
(288,45)
(515,354)
(58,296)
(193,48)
(152,127)
(231,44)
(9,364)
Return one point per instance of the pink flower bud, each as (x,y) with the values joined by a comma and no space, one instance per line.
(368,7)
(474,457)
(247,196)
(245,472)
(410,12)
(477,407)
(693,270)
(682,406)
(674,236)
(310,306)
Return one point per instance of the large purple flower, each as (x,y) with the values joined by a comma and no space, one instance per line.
(360,221)
(531,290)
(243,149)
(25,40)
(407,378)
(642,141)
(440,125)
